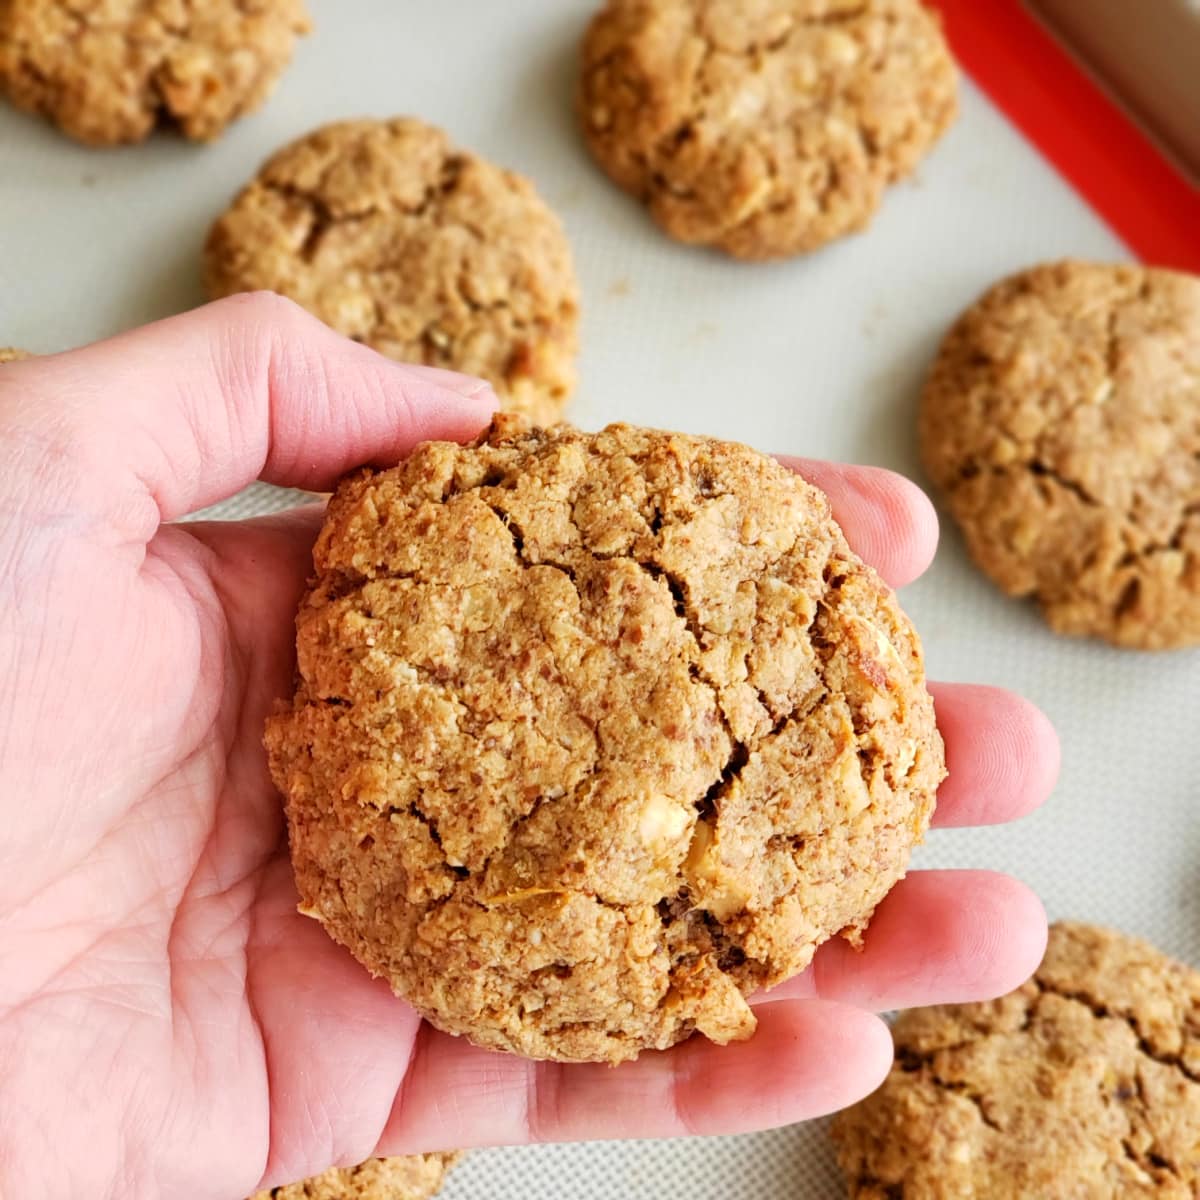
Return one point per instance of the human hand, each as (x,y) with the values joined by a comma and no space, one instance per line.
(169,1025)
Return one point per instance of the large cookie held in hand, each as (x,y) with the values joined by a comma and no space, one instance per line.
(597,734)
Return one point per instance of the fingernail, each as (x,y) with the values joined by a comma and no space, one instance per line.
(476,389)
(479,394)
(467,386)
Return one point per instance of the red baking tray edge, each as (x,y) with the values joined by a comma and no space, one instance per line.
(1086,134)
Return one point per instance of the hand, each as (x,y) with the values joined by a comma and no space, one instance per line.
(169,1026)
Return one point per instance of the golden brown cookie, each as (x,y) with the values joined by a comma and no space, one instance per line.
(416,1177)
(1084,1084)
(597,734)
(11,354)
(766,128)
(109,73)
(425,252)
(1062,420)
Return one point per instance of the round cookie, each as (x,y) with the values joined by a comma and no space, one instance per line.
(766,128)
(1062,420)
(415,1177)
(11,354)
(107,74)
(597,734)
(1084,1084)
(425,252)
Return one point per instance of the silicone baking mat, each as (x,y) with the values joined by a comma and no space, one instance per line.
(821,356)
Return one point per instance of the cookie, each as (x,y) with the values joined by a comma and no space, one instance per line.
(766,128)
(11,354)
(597,734)
(1062,421)
(427,253)
(111,73)
(1084,1084)
(416,1177)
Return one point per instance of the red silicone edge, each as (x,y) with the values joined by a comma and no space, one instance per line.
(1090,139)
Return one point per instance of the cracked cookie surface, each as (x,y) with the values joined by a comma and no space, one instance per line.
(110,72)
(1083,1084)
(11,354)
(597,734)
(1062,420)
(413,1177)
(766,128)
(423,251)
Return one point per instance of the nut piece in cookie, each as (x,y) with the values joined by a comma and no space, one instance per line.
(765,128)
(1083,1084)
(11,354)
(415,1177)
(597,734)
(427,253)
(1062,421)
(111,73)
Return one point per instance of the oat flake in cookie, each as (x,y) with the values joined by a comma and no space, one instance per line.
(425,252)
(416,1177)
(1084,1084)
(764,127)
(110,72)
(596,734)
(1062,420)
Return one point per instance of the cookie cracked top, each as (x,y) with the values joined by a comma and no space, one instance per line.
(109,71)
(1062,420)
(414,1177)
(769,127)
(425,252)
(597,734)
(1084,1084)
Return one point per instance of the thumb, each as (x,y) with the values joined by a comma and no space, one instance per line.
(164,420)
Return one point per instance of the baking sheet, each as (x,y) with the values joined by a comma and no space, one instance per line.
(820,356)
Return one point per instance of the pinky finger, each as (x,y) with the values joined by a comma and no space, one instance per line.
(808,1058)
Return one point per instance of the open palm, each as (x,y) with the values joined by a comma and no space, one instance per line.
(169,1026)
